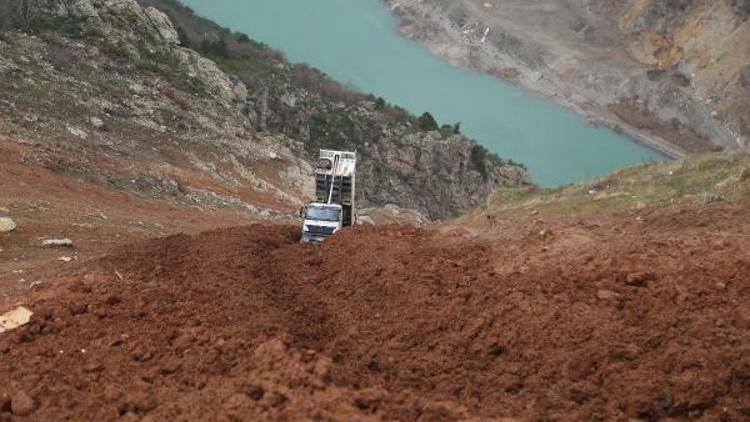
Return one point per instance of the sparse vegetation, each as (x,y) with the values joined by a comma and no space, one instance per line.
(176,98)
(450,130)
(380,104)
(315,80)
(60,54)
(116,50)
(696,181)
(481,157)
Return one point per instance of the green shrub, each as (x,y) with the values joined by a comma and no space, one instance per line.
(427,122)
(152,66)
(380,104)
(216,48)
(479,159)
(184,37)
(115,50)
(446,131)
(68,27)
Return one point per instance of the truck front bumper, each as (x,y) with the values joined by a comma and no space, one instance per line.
(313,238)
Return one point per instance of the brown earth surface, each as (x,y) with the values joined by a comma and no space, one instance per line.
(48,204)
(538,318)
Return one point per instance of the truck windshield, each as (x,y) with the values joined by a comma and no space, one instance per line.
(323,213)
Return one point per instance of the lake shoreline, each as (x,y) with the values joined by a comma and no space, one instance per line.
(459,56)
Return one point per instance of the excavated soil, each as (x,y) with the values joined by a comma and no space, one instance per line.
(542,318)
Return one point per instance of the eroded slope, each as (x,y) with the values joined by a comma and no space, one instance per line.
(672,73)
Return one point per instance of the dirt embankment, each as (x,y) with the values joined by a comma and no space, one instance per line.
(45,204)
(538,318)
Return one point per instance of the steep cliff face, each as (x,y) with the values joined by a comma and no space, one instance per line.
(702,47)
(424,172)
(672,73)
(109,91)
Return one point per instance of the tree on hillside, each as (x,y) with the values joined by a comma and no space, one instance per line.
(20,14)
(217,48)
(427,122)
(5,20)
(380,103)
(243,38)
(184,38)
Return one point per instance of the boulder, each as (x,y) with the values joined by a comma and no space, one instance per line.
(607,295)
(51,243)
(80,9)
(207,72)
(162,25)
(639,279)
(96,122)
(239,89)
(15,318)
(289,99)
(123,7)
(78,133)
(7,225)
(21,404)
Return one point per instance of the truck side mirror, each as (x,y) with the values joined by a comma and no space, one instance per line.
(302,211)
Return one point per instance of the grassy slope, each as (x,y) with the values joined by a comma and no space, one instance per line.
(692,182)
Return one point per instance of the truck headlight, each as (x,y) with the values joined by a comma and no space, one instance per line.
(305,228)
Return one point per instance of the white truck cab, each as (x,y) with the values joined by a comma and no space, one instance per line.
(321,220)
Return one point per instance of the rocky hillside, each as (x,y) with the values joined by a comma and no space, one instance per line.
(112,92)
(672,73)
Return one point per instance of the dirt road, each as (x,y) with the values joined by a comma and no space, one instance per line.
(538,318)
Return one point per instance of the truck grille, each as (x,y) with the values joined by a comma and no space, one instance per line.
(321,229)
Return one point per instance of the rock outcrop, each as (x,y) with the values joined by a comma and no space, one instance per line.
(7,225)
(433,174)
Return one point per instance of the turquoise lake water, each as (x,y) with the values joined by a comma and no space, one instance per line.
(356,43)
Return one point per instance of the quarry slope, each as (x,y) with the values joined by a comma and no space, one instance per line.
(548,313)
(673,74)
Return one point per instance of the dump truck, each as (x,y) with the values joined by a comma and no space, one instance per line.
(335,192)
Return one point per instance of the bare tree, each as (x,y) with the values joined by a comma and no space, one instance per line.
(6,14)
(26,14)
(19,14)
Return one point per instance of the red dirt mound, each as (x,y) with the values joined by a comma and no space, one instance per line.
(576,322)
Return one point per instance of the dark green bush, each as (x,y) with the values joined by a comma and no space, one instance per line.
(427,122)
(479,159)
(380,104)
